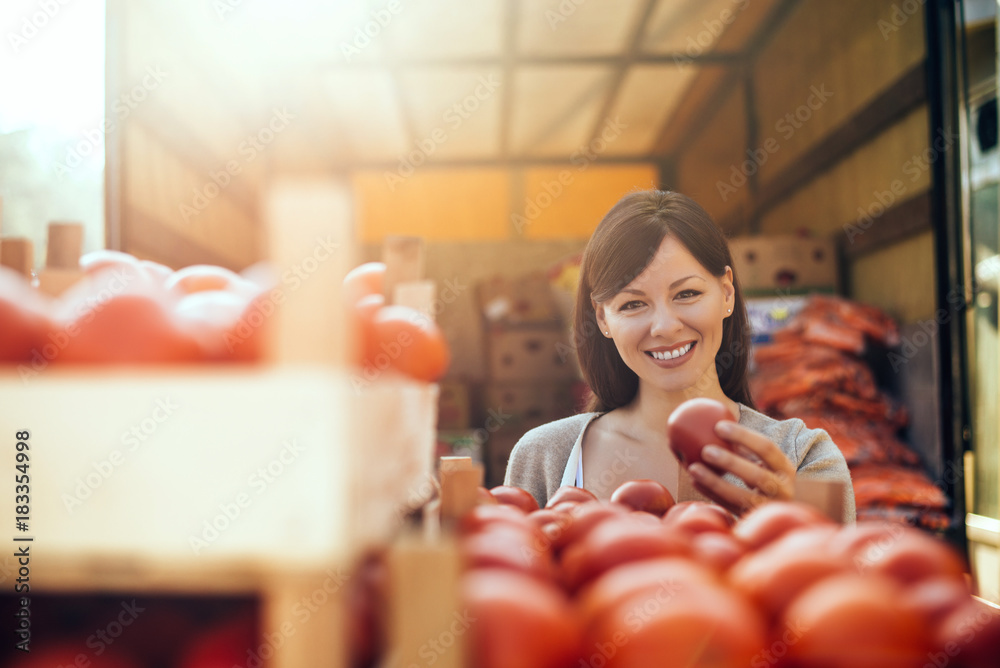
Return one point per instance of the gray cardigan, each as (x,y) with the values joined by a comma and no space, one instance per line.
(539,458)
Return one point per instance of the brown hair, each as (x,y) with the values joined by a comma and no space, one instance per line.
(620,249)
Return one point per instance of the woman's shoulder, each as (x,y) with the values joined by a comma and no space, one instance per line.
(786,433)
(559,431)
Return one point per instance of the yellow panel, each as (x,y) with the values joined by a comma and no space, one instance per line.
(826,62)
(887,170)
(437,204)
(569,202)
(899,279)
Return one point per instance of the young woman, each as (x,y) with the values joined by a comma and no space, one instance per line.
(660,319)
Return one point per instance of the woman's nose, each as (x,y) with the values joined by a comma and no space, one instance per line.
(664,322)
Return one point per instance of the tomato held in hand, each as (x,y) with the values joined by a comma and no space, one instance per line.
(692,426)
(647,495)
(406,341)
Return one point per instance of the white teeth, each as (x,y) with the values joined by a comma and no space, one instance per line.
(671,355)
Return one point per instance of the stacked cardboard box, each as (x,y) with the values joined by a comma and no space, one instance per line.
(531,364)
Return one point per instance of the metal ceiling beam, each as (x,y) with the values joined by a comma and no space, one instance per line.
(516,60)
(511,21)
(734,76)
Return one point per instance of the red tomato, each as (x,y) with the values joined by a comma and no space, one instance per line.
(545,516)
(156,270)
(364,599)
(697,624)
(692,426)
(69,654)
(570,493)
(647,495)
(484,498)
(224,646)
(246,340)
(98,260)
(616,542)
(971,633)
(666,576)
(208,317)
(912,557)
(716,550)
(508,547)
(855,539)
(363,280)
(201,277)
(695,517)
(583,518)
(849,620)
(120,316)
(482,517)
(362,317)
(773,519)
(773,576)
(407,341)
(519,622)
(515,496)
(27,330)
(935,598)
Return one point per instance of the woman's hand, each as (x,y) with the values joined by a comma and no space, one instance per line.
(764,468)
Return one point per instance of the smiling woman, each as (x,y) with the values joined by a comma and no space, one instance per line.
(660,319)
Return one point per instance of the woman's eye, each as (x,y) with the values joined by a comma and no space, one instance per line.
(688,294)
(629,305)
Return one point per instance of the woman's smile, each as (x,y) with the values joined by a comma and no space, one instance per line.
(672,356)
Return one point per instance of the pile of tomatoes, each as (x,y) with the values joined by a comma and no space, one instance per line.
(392,338)
(641,581)
(126,310)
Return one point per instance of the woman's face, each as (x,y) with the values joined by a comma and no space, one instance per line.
(667,323)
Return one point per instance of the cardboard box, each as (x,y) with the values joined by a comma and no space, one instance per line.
(530,401)
(454,406)
(536,354)
(784,264)
(521,300)
(498,450)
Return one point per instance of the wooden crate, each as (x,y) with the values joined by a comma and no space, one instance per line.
(262,479)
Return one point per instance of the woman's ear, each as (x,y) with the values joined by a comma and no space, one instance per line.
(729,290)
(602,322)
